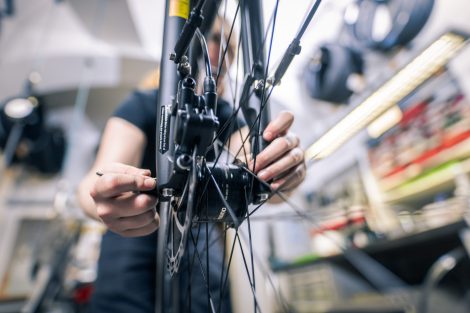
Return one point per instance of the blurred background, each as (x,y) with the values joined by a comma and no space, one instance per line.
(380,94)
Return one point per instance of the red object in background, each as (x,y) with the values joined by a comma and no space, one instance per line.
(333,224)
(82,294)
(457,100)
(413,112)
(447,144)
(417,116)
(452,141)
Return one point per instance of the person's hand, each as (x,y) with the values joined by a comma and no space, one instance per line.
(282,162)
(119,203)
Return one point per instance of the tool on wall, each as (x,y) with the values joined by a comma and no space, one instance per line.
(333,73)
(25,137)
(385,24)
(6,9)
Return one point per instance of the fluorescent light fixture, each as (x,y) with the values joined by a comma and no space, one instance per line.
(421,68)
(390,118)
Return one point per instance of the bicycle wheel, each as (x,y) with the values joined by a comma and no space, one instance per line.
(206,190)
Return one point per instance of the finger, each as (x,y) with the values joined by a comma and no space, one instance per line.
(143,231)
(111,185)
(275,150)
(125,206)
(124,169)
(278,126)
(281,166)
(291,180)
(133,222)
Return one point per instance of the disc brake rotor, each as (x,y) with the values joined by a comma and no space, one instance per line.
(181,215)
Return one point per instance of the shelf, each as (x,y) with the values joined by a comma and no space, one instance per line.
(428,184)
(460,150)
(12,305)
(408,256)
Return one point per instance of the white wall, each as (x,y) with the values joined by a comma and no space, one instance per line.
(58,39)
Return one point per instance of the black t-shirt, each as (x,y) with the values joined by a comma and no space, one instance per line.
(140,109)
(126,268)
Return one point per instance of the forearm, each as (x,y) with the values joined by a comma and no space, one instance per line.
(122,143)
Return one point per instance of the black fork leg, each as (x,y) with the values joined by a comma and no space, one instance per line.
(255,109)
(175,17)
(163,279)
(173,25)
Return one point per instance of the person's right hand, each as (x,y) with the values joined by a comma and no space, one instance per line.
(120,205)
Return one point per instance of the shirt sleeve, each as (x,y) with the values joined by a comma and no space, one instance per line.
(139,109)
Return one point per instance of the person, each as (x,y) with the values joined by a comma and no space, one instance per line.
(126,162)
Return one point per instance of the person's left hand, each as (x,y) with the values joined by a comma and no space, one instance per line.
(282,162)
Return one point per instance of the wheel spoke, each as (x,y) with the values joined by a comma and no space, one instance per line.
(208,265)
(247,270)
(222,55)
(250,241)
(224,281)
(222,270)
(280,298)
(233,117)
(253,125)
(191,265)
(201,266)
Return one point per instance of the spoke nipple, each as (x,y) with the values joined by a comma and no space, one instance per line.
(263,196)
(258,84)
(183,115)
(167,192)
(270,81)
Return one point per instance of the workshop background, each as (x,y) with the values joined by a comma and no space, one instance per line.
(380,94)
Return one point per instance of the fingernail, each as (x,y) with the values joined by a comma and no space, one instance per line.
(146,172)
(268,135)
(263,175)
(150,182)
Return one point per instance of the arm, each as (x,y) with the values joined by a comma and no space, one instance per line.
(112,198)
